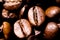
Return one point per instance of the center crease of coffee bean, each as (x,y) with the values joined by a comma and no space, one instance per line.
(21,26)
(35,15)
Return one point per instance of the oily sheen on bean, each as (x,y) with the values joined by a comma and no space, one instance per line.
(6,29)
(52,11)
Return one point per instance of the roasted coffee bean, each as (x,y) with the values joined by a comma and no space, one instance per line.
(22,28)
(32,37)
(37,32)
(1,0)
(6,14)
(58,1)
(1,28)
(22,11)
(1,38)
(6,29)
(36,16)
(52,11)
(28,1)
(12,4)
(50,30)
(58,25)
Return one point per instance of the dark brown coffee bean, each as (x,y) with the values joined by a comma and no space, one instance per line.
(50,30)
(28,1)
(32,37)
(36,15)
(22,28)
(6,29)
(58,1)
(1,28)
(6,14)
(12,4)
(52,11)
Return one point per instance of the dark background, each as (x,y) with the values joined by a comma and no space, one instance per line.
(44,4)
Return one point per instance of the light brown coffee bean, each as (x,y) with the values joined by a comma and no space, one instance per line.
(52,11)
(6,14)
(50,30)
(36,16)
(12,4)
(6,29)
(22,28)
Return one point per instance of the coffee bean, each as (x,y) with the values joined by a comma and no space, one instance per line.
(36,16)
(32,37)
(12,4)
(22,11)
(58,1)
(22,28)
(13,0)
(52,11)
(58,25)
(6,29)
(1,38)
(37,32)
(1,0)
(1,28)
(50,30)
(6,14)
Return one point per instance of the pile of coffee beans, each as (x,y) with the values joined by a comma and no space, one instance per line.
(29,19)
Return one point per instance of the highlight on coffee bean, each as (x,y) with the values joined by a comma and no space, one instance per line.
(37,32)
(1,27)
(1,0)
